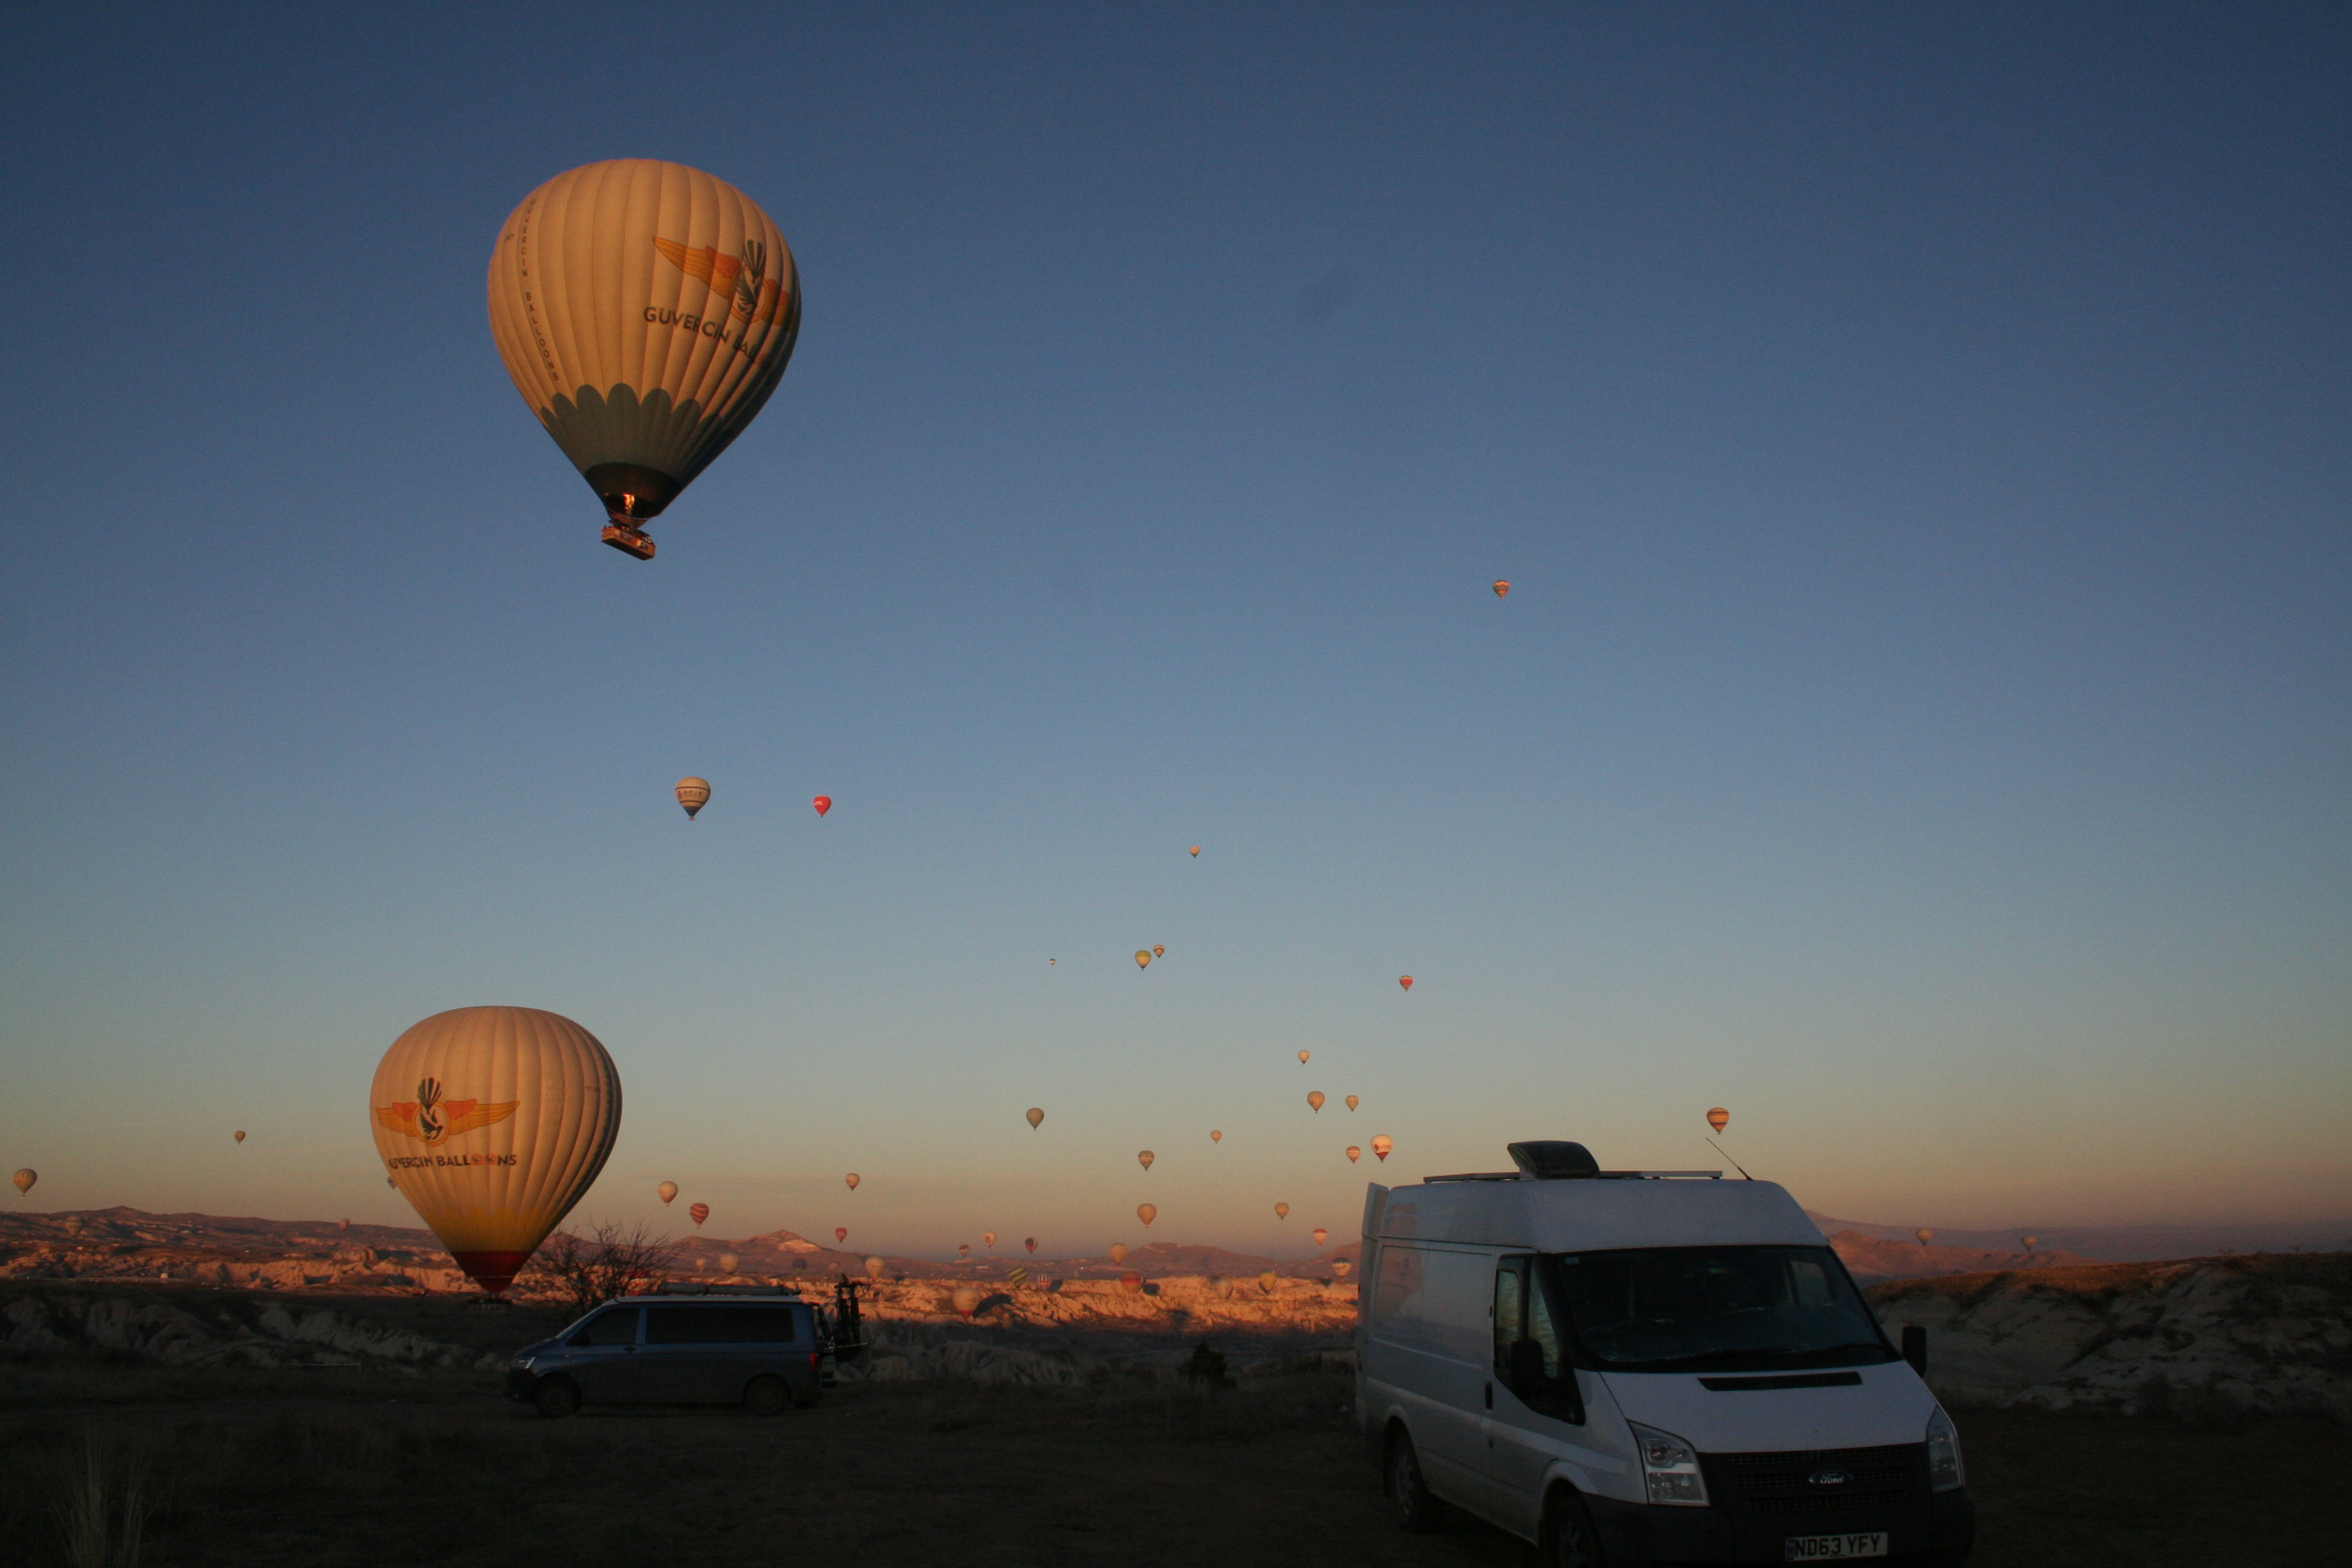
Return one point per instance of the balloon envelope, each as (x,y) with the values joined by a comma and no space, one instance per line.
(988,1237)
(823,803)
(1036,1116)
(1924,1234)
(963,1249)
(1502,587)
(239,1135)
(1354,1153)
(852,1179)
(727,1262)
(1196,852)
(1383,1144)
(874,1266)
(1144,1157)
(840,1233)
(697,1213)
(1353,1103)
(1339,1266)
(966,1300)
(492,1121)
(1405,981)
(2029,1241)
(1030,1242)
(1215,1136)
(1142,958)
(1119,1252)
(1281,1211)
(1322,1235)
(666,1192)
(1719,1119)
(1147,1213)
(694,794)
(1315,1099)
(25,1178)
(645,310)
(1159,950)
(1302,1057)
(1266,1281)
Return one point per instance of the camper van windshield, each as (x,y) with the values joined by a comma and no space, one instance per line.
(1716,1309)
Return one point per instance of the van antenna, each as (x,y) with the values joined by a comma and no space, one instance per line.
(1735,1164)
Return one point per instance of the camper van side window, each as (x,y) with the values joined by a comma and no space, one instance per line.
(1399,1292)
(1510,1310)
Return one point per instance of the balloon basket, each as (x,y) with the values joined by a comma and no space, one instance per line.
(629,541)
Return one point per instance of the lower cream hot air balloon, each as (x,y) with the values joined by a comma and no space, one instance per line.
(666,1192)
(1381,1145)
(873,1268)
(1266,1282)
(728,1262)
(697,1213)
(1339,1266)
(492,1123)
(966,1300)
(24,1179)
(1147,1213)
(1925,1234)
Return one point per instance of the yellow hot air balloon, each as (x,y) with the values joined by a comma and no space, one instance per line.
(1322,1235)
(1354,1153)
(1353,1103)
(1145,1157)
(1215,1136)
(1266,1281)
(24,1179)
(493,1122)
(852,1179)
(646,311)
(666,1192)
(1142,958)
(1314,1100)
(694,794)
(1147,1213)
(1119,1252)
(1302,1057)
(1036,1116)
(988,1237)
(1281,1211)
(1719,1119)
(873,1268)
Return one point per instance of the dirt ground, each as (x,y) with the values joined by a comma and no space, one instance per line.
(329,1466)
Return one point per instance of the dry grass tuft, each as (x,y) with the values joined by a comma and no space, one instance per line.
(100,1499)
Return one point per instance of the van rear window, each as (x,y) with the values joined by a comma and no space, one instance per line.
(1709,1309)
(721,1325)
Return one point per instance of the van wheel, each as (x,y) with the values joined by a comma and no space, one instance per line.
(1412,1504)
(555,1397)
(1569,1539)
(767,1396)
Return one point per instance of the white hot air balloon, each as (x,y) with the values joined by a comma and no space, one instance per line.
(645,310)
(492,1123)
(873,1268)
(25,1178)
(666,1192)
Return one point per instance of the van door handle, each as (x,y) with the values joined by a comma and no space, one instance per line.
(1490,1396)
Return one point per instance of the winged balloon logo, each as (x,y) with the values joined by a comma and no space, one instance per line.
(431,1117)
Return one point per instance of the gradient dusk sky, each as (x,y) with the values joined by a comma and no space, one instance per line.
(1918,440)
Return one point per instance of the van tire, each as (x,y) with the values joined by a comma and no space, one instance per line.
(1412,1504)
(768,1397)
(555,1397)
(1569,1539)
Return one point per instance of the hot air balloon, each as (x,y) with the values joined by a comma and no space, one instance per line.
(1119,1252)
(697,1213)
(728,1260)
(492,1123)
(873,1268)
(1147,1214)
(1157,950)
(963,1249)
(239,1135)
(646,311)
(1036,1116)
(1215,1136)
(1719,1119)
(1354,1153)
(852,1179)
(1131,1283)
(1314,1100)
(1144,1158)
(2029,1241)
(1322,1235)
(966,1300)
(1017,1274)
(1196,852)
(666,1192)
(840,1233)
(1381,1145)
(1030,1242)
(1302,1057)
(342,1224)
(1281,1211)
(1405,981)
(694,794)
(988,1238)
(1339,1266)
(823,803)
(24,1179)
(1502,587)
(1353,1103)
(1266,1281)
(1142,958)
(1924,1234)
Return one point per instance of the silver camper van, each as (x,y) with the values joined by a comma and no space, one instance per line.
(1635,1367)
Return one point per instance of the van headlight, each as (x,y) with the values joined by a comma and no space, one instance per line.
(523,1362)
(1669,1468)
(1943,1469)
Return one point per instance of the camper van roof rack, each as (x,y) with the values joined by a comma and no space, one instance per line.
(1477,1176)
(1598,1175)
(696,1287)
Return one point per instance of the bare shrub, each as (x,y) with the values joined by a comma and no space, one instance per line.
(610,1260)
(100,1503)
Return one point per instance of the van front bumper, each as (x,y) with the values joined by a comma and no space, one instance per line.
(1637,1534)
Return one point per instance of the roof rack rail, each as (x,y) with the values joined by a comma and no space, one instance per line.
(696,1287)
(1604,1175)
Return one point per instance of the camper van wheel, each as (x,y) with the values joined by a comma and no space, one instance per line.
(767,1396)
(1569,1539)
(1412,1504)
(555,1397)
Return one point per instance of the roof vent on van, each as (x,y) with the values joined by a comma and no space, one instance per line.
(1547,1160)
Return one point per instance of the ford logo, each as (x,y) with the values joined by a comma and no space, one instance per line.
(1828,1478)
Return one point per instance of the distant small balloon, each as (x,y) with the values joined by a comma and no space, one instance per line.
(1405,981)
(240,1135)
(1144,1157)
(1142,958)
(1147,1213)
(1502,587)
(1719,1119)
(874,1266)
(1353,1103)
(1322,1235)
(1314,1100)
(1924,1234)
(1302,1057)
(963,1249)
(1016,1276)
(1157,950)
(1036,1116)
(988,1238)
(2029,1241)
(1131,1283)
(666,1192)
(823,803)
(694,794)
(1196,852)
(852,1179)
(1339,1266)
(1281,1211)
(1215,1136)
(1030,1242)
(25,1178)
(699,1212)
(342,1224)
(1266,1282)
(727,1262)
(1119,1252)
(966,1300)
(1354,1153)
(1381,1145)
(840,1233)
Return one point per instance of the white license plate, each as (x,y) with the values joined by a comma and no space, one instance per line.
(1830,1548)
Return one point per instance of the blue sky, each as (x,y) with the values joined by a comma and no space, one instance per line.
(1919,719)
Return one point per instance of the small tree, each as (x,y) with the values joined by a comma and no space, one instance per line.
(608,1261)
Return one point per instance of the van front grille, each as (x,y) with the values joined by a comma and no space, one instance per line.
(1796,1481)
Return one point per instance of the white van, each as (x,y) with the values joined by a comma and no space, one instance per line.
(1633,1367)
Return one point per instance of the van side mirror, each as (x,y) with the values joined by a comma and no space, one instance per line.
(1914,1347)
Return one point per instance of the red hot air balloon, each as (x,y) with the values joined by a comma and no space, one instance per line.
(1030,1242)
(823,803)
(852,1179)
(1405,981)
(1322,1235)
(697,1213)
(841,1233)
(1719,1119)
(1502,587)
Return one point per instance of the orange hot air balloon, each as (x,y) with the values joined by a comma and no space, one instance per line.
(1405,981)
(493,1122)
(1145,1157)
(1353,1103)
(1924,1234)
(1322,1235)
(823,803)
(1142,958)
(1719,1119)
(240,1135)
(1354,1153)
(1281,1211)
(24,1179)
(1314,1100)
(1502,587)
(697,1213)
(1036,1116)
(1215,1136)
(694,794)
(666,1192)
(840,1233)
(988,1237)
(1302,1057)
(1381,1145)
(1119,1252)
(1030,1242)
(1157,950)
(852,1179)
(1147,1213)
(1196,852)
(1266,1282)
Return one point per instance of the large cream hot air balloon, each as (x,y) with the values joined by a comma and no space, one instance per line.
(666,1192)
(693,793)
(1147,1213)
(492,1123)
(728,1263)
(646,311)
(1381,1145)
(873,1268)
(24,1179)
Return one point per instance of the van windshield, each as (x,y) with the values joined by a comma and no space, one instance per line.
(1715,1309)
